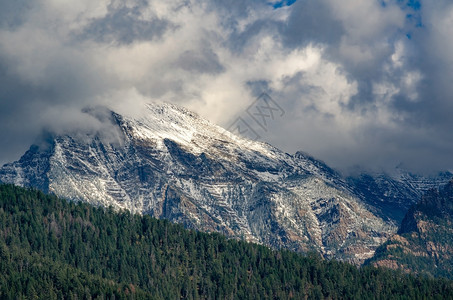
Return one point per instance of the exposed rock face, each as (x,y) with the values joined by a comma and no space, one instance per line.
(390,196)
(170,163)
(424,243)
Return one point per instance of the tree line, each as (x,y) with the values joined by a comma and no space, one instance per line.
(56,249)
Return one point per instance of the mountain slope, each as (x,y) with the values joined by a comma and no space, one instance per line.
(391,195)
(170,163)
(78,251)
(424,243)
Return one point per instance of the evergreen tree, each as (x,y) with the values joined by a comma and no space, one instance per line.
(52,249)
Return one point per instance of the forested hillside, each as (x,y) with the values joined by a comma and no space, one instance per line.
(51,248)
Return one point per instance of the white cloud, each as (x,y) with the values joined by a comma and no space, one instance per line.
(354,76)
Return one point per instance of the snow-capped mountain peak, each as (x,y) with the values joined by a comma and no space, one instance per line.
(171,163)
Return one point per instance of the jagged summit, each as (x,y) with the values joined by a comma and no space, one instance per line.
(171,163)
(168,121)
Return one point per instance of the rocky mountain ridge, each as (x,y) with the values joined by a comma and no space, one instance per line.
(424,242)
(391,195)
(172,164)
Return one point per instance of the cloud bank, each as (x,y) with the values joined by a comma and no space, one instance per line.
(363,83)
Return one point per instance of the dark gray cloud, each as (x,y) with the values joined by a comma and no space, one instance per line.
(11,20)
(201,61)
(125,24)
(311,22)
(28,108)
(364,83)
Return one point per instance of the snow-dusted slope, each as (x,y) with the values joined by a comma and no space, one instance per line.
(172,164)
(391,195)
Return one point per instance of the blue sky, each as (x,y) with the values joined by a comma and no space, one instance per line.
(363,82)
(279,4)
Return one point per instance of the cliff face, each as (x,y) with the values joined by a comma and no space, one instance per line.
(424,243)
(172,164)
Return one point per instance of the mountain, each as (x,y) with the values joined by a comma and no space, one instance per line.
(51,248)
(172,164)
(391,195)
(424,243)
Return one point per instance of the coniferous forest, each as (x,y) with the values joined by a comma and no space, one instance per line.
(55,249)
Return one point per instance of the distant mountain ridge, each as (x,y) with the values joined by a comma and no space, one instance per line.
(172,164)
(390,196)
(424,243)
